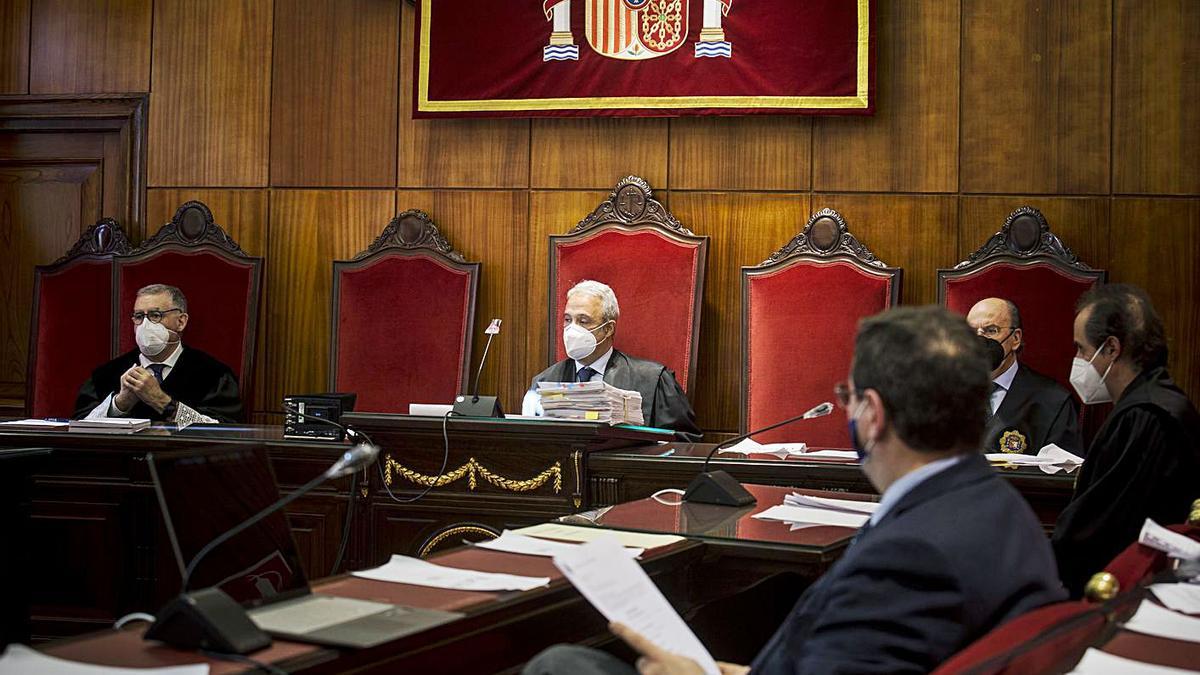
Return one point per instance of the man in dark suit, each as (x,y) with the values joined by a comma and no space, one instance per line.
(952,551)
(1027,410)
(589,326)
(160,378)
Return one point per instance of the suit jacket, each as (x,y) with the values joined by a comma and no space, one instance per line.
(664,405)
(1142,464)
(199,380)
(1037,409)
(958,555)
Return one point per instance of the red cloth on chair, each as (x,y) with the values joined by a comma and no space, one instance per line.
(1046,296)
(402,324)
(655,280)
(1045,640)
(221,295)
(72,333)
(801,323)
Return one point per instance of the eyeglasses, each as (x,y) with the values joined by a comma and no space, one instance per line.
(154,315)
(990,331)
(843,391)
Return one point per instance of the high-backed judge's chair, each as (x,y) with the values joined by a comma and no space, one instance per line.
(1026,263)
(653,264)
(403,318)
(222,284)
(800,313)
(72,328)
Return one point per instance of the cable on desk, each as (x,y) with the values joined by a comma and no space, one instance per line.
(436,479)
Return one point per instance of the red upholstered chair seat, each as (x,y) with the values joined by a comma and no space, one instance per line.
(800,313)
(1046,640)
(654,266)
(403,316)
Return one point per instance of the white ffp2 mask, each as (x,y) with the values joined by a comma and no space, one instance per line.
(579,341)
(1088,383)
(152,338)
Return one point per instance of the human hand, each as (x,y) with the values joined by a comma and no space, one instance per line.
(146,387)
(655,660)
(126,397)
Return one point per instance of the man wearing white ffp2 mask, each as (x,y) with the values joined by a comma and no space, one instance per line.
(589,329)
(1144,460)
(159,377)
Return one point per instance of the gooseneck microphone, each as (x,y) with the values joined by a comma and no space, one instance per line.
(718,487)
(476,405)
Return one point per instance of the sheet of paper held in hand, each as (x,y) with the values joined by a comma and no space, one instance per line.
(620,590)
(404,570)
(22,660)
(511,542)
(576,533)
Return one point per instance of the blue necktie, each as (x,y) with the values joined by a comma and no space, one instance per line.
(157,369)
(585,374)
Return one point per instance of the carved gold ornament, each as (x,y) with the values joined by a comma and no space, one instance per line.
(471,469)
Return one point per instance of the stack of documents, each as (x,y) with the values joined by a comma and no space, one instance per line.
(844,505)
(750,446)
(810,515)
(1050,459)
(34,425)
(110,425)
(594,401)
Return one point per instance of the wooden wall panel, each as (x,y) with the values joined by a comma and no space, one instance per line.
(476,153)
(911,143)
(1036,95)
(915,233)
(14,46)
(309,230)
(88,46)
(489,226)
(597,152)
(745,229)
(211,83)
(1080,222)
(333,111)
(1154,244)
(747,153)
(1156,79)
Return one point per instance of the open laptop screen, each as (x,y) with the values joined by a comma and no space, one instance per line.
(204,494)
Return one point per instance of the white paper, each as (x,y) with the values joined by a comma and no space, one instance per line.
(511,542)
(405,570)
(830,454)
(21,660)
(1173,544)
(797,499)
(1151,619)
(620,590)
(749,446)
(806,514)
(585,534)
(35,424)
(1096,662)
(1059,455)
(429,409)
(1179,596)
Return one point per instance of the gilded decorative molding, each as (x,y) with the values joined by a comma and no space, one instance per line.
(631,202)
(470,470)
(410,230)
(577,462)
(457,530)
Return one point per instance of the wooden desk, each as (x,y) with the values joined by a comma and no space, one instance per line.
(633,473)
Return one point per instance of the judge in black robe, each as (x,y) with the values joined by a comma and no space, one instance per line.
(1143,463)
(1035,412)
(197,380)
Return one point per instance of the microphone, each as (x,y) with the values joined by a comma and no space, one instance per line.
(476,405)
(718,487)
(210,617)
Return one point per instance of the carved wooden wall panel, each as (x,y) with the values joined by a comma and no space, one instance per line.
(14,47)
(84,46)
(593,153)
(749,153)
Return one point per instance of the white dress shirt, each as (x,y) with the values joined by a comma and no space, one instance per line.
(108,408)
(532,403)
(1005,381)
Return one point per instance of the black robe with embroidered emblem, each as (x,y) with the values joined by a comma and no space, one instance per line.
(198,380)
(1038,409)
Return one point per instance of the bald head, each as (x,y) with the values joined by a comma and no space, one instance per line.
(1000,320)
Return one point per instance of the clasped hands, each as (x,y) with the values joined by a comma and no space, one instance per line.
(138,383)
(654,660)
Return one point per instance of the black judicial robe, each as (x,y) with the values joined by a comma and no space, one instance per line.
(1039,411)
(664,405)
(199,380)
(1142,464)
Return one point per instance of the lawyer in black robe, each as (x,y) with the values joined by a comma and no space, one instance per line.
(197,380)
(1142,464)
(664,405)
(1035,412)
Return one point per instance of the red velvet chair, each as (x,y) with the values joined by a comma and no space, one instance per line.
(1047,640)
(800,312)
(222,283)
(1026,263)
(403,318)
(72,327)
(653,264)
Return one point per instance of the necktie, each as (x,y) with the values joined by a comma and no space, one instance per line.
(157,369)
(995,388)
(585,374)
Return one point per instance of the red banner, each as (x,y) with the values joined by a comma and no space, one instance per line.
(553,58)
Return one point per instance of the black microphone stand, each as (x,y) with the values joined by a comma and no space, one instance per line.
(476,405)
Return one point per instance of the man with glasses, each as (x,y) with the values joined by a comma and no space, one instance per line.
(952,551)
(160,378)
(1026,410)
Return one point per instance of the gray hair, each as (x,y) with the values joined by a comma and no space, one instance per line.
(609,310)
(177,297)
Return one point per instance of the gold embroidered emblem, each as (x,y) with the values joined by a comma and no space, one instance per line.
(1013,442)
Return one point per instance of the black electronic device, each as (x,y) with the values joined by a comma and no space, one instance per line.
(328,407)
(474,405)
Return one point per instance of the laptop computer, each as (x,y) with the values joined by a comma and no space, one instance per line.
(203,494)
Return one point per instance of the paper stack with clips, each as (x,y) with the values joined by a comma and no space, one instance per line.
(595,401)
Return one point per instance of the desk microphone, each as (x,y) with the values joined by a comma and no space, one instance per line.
(476,405)
(718,487)
(209,618)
